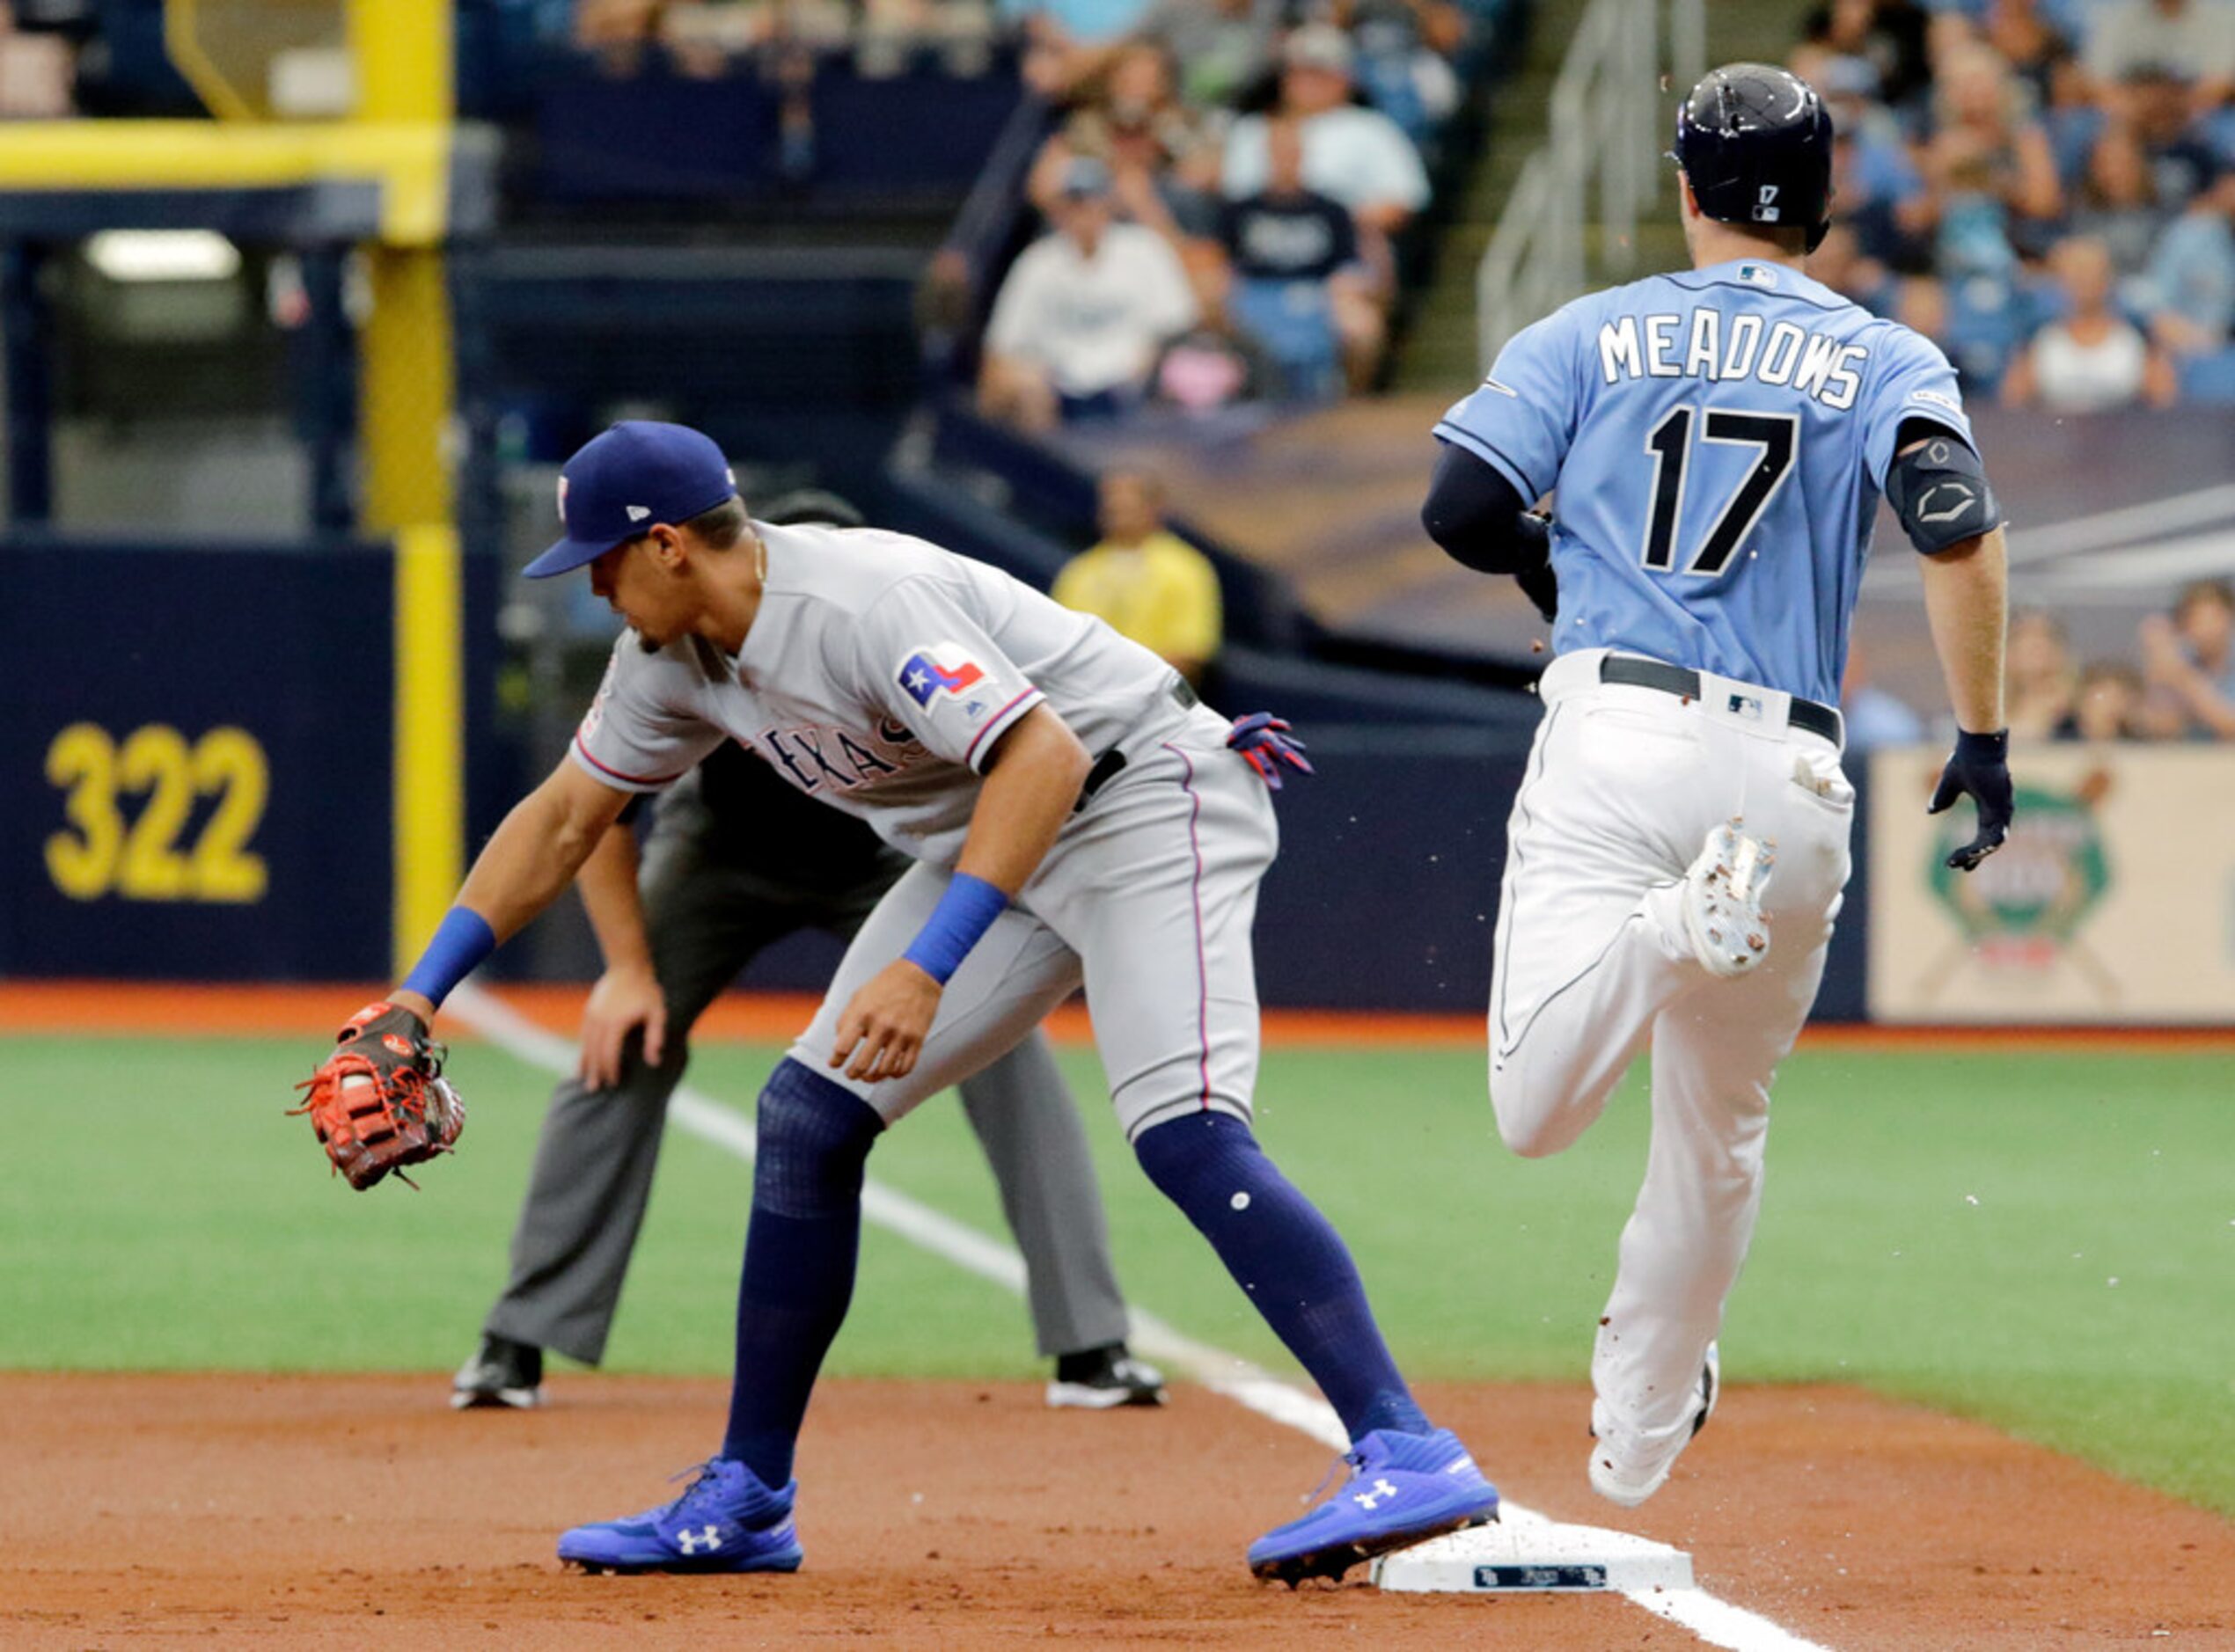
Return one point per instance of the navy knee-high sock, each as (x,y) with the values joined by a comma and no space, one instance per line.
(1288,1257)
(800,1247)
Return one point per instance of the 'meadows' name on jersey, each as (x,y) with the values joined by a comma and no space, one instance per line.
(1716,345)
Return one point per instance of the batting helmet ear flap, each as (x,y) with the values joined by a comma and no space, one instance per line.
(1816,235)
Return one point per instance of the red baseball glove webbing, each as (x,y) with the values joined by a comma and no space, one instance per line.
(379,1101)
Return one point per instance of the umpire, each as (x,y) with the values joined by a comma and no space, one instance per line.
(736,860)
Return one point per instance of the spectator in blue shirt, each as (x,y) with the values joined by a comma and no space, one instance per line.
(1874,717)
(2188,289)
(1288,247)
(1880,193)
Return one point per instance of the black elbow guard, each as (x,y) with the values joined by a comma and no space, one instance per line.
(1940,491)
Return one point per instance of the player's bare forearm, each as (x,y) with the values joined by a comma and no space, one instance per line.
(1967,600)
(540,847)
(532,856)
(607,883)
(1032,782)
(627,997)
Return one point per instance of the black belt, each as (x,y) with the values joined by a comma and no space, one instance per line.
(1112,761)
(1632,672)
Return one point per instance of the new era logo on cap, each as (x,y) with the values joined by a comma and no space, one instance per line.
(638,472)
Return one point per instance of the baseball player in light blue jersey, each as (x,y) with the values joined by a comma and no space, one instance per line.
(1717,441)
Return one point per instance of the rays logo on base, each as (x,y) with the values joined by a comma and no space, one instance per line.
(942,669)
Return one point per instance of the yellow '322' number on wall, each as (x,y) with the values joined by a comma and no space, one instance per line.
(101,852)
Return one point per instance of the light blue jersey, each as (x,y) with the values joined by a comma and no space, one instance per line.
(1718,440)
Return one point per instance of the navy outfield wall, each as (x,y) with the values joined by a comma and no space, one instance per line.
(195,753)
(196,758)
(1385,894)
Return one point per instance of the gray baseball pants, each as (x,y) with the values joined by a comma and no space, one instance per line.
(707,917)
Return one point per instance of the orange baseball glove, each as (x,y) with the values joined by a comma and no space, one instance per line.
(379,1101)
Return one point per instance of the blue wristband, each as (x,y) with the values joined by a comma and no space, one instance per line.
(957,924)
(461,941)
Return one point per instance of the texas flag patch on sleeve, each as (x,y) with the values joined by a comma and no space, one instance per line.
(942,669)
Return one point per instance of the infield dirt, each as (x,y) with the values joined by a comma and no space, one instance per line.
(144,1511)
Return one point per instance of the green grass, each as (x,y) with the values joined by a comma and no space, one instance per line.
(1942,1227)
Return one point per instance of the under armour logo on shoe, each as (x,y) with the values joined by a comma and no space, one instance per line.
(708,1537)
(1366,1499)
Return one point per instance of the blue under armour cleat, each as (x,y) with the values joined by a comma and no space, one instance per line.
(1403,1488)
(725,1521)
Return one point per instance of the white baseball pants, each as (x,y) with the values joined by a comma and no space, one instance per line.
(1147,898)
(1591,966)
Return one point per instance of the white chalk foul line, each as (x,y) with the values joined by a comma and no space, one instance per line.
(1715,1622)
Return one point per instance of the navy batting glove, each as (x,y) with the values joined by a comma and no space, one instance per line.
(1265,743)
(1979,767)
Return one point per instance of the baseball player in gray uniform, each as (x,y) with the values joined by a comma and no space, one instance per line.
(1076,817)
(738,858)
(1719,440)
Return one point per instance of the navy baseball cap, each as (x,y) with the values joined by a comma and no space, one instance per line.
(623,480)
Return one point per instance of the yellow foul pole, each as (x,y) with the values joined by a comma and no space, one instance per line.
(403,51)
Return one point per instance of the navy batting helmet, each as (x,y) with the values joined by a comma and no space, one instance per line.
(1755,142)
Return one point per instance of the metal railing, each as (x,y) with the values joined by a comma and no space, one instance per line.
(1604,146)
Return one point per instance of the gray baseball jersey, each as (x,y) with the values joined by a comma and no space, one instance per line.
(880,672)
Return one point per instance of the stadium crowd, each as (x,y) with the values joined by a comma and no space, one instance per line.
(2182,688)
(1224,191)
(2045,188)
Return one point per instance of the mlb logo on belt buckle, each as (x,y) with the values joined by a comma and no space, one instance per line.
(1745,705)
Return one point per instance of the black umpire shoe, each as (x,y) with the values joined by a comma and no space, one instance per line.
(502,1372)
(1103,1378)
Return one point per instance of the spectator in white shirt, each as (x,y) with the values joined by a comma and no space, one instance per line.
(2094,358)
(1082,313)
(1358,156)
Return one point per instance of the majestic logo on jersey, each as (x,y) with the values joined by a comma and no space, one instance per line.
(1699,346)
(1934,398)
(942,669)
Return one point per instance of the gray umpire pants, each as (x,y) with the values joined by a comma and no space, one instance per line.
(707,917)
